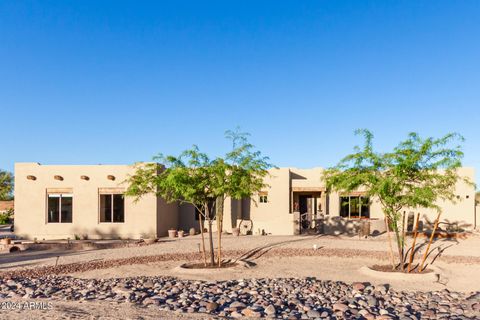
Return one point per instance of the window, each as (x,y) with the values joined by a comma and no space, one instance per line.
(344,207)
(263,197)
(354,207)
(112,208)
(59,208)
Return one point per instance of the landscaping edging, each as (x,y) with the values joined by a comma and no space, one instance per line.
(430,276)
(185,269)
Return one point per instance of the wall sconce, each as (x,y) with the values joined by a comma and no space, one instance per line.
(84,178)
(110,177)
(59,178)
(31,178)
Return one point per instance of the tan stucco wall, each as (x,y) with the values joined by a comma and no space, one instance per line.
(274,216)
(31,200)
(232,210)
(187,217)
(167,217)
(462,211)
(477,214)
(306,177)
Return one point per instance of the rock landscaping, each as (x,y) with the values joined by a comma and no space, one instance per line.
(292,298)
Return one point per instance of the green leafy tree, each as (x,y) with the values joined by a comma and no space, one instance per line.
(187,178)
(416,174)
(245,169)
(6,185)
(192,177)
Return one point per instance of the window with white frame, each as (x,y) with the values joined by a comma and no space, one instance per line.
(59,208)
(112,208)
(263,197)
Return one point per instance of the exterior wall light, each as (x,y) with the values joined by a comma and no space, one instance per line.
(60,178)
(31,178)
(110,177)
(84,178)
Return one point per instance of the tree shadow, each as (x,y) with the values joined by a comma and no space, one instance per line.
(258,252)
(440,249)
(19,257)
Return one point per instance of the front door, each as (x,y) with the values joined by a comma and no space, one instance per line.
(306,205)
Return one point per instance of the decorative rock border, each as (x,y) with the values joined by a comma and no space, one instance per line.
(284,298)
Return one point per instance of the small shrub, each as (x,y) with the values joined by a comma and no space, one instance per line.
(4,218)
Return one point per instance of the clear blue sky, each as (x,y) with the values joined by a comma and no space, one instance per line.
(118,81)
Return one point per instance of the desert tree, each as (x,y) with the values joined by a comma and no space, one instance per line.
(245,171)
(194,178)
(187,178)
(416,174)
(6,185)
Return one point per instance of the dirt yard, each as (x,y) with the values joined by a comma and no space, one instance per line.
(96,310)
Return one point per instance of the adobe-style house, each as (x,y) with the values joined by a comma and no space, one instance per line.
(86,201)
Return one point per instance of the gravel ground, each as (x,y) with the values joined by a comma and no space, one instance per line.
(100,282)
(291,298)
(324,263)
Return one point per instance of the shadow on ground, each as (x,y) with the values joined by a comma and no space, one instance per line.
(7,259)
(258,252)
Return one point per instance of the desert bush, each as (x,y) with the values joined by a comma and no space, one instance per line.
(4,218)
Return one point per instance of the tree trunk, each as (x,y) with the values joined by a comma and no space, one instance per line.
(210,237)
(392,260)
(403,238)
(219,215)
(203,239)
(399,247)
(394,224)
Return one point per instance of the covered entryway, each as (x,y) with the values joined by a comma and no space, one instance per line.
(308,205)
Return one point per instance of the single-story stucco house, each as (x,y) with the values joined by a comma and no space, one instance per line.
(70,201)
